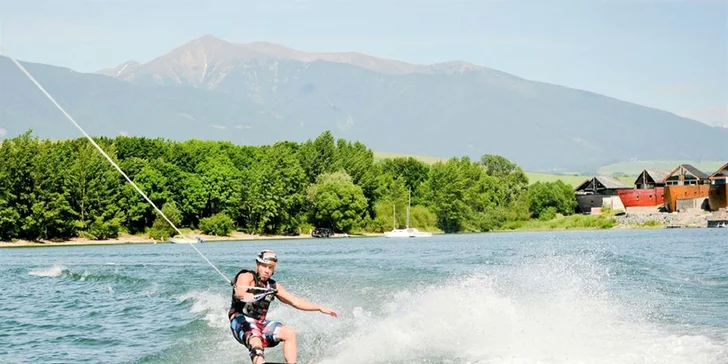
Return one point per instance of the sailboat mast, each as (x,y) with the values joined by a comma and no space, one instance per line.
(409,197)
(394,216)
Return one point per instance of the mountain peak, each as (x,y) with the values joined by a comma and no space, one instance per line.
(188,61)
(210,38)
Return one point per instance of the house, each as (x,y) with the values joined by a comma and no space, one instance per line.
(651,178)
(649,189)
(686,187)
(592,192)
(718,193)
(686,175)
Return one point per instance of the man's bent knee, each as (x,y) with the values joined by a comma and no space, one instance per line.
(253,340)
(287,333)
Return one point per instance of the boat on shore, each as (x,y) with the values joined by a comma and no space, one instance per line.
(185,241)
(408,232)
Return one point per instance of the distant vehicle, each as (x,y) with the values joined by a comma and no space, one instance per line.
(322,233)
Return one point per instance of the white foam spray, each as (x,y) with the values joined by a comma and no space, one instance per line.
(54,271)
(546,310)
(550,309)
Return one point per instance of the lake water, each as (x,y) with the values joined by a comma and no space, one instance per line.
(653,296)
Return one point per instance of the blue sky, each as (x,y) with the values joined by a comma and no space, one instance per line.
(667,54)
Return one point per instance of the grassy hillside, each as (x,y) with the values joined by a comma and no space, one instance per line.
(533,177)
(573,180)
(387,155)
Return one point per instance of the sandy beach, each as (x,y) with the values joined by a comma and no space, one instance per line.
(134,239)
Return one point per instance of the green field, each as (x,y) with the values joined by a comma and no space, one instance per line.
(573,180)
(385,155)
(533,177)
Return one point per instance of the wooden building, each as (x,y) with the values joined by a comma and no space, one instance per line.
(591,193)
(649,189)
(685,183)
(718,194)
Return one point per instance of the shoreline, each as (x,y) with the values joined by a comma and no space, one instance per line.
(125,239)
(633,219)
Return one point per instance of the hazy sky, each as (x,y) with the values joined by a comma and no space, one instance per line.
(667,54)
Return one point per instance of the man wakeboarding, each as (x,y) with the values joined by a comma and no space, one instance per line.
(252,293)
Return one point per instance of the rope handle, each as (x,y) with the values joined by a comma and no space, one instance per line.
(259,296)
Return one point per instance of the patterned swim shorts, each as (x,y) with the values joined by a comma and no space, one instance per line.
(244,328)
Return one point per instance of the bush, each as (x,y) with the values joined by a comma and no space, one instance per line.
(219,224)
(548,214)
(161,229)
(102,230)
(558,195)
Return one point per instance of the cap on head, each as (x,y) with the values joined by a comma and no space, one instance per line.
(267,257)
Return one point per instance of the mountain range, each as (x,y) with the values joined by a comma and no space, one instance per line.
(259,93)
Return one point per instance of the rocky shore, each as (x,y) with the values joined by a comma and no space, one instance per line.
(652,217)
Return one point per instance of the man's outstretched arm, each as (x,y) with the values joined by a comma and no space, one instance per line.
(300,303)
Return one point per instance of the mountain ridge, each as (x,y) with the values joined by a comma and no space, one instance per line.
(263,50)
(209,47)
(251,94)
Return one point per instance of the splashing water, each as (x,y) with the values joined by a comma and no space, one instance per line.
(54,271)
(532,298)
(547,310)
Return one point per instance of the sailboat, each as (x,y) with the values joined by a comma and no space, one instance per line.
(408,232)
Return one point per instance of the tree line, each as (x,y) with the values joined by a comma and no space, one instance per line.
(58,189)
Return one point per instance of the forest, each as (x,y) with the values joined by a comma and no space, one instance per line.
(59,189)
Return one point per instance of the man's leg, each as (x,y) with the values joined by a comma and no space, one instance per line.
(255,345)
(290,347)
(247,332)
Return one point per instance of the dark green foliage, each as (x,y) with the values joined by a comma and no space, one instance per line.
(337,203)
(412,172)
(102,230)
(62,189)
(218,224)
(550,198)
(161,229)
(272,193)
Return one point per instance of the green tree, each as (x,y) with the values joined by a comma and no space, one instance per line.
(220,179)
(138,214)
(550,198)
(94,189)
(192,199)
(336,202)
(51,216)
(274,193)
(219,224)
(447,191)
(411,170)
(17,161)
(512,178)
(161,229)
(319,156)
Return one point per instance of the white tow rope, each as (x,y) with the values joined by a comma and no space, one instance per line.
(110,160)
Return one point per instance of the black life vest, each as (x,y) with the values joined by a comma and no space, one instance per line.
(258,309)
